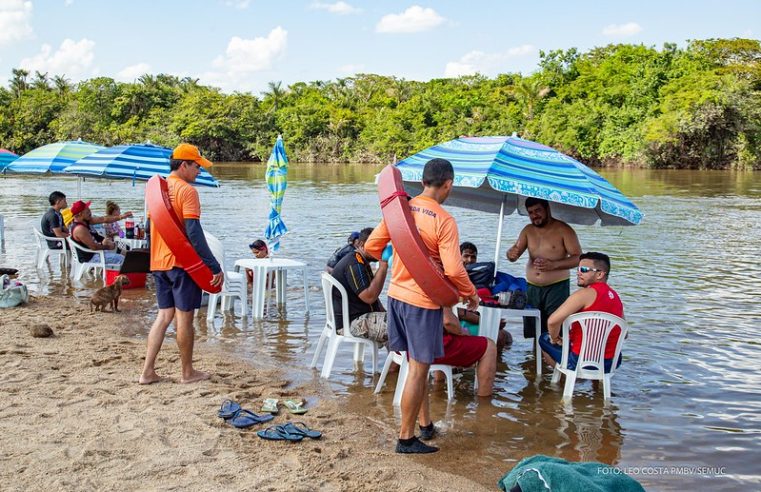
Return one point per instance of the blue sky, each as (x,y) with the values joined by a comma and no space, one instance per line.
(244,44)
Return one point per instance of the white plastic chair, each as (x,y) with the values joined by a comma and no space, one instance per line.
(44,251)
(331,336)
(596,327)
(400,358)
(78,268)
(234,287)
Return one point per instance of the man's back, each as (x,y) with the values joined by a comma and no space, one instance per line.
(186,205)
(51,220)
(607,301)
(355,274)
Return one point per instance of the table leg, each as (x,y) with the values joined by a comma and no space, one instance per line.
(282,278)
(537,333)
(257,292)
(306,290)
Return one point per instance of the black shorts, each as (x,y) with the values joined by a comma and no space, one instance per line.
(176,289)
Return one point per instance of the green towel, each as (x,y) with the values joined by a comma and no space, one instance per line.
(544,473)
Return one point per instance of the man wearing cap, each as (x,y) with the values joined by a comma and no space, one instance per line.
(81,234)
(177,294)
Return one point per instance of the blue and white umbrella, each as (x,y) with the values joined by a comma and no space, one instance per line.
(136,162)
(6,157)
(52,158)
(497,174)
(276,176)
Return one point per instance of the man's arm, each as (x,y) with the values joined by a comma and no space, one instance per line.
(377,240)
(373,291)
(198,240)
(519,247)
(452,324)
(108,219)
(59,232)
(82,234)
(575,303)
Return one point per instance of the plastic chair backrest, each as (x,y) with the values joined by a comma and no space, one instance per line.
(42,239)
(215,245)
(596,328)
(328,284)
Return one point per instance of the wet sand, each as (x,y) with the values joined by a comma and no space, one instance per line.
(73,417)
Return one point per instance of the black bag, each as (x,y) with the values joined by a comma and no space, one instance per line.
(513,299)
(481,274)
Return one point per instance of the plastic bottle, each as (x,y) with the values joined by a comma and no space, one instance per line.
(129,228)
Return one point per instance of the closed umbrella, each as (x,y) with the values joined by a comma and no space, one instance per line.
(52,158)
(137,162)
(276,176)
(6,157)
(497,174)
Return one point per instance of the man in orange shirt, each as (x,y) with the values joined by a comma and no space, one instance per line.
(177,294)
(414,321)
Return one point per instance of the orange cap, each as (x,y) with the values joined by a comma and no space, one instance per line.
(187,152)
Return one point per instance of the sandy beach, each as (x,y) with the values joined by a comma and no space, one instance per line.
(72,417)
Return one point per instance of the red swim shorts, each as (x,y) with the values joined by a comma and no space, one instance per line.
(462,351)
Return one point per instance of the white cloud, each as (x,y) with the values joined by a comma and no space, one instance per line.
(238,4)
(622,30)
(73,59)
(341,8)
(68,3)
(486,63)
(132,72)
(414,19)
(244,57)
(14,21)
(351,69)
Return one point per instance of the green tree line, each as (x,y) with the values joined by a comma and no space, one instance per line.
(619,105)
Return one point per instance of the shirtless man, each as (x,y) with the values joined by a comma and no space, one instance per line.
(553,249)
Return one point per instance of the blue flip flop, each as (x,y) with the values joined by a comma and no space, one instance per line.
(247,418)
(301,429)
(279,433)
(228,410)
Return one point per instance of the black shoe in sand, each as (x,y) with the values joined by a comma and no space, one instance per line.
(428,432)
(414,446)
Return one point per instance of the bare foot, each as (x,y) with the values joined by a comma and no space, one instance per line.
(195,377)
(149,378)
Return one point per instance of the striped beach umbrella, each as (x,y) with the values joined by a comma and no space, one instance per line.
(52,158)
(276,176)
(136,162)
(497,174)
(6,157)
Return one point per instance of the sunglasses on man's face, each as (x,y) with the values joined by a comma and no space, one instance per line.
(586,269)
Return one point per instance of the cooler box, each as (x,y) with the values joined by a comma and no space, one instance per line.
(136,280)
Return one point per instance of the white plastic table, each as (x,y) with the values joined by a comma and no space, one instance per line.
(488,325)
(261,267)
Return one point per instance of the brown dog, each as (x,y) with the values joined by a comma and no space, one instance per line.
(109,295)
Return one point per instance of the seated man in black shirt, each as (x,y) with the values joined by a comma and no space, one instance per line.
(367,315)
(342,251)
(52,224)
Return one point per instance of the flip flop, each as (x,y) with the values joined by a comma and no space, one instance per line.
(270,405)
(247,418)
(301,429)
(295,406)
(278,433)
(228,410)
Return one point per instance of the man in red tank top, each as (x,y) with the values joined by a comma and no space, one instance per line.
(594,295)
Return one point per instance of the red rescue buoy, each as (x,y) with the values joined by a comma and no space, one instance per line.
(172,231)
(407,241)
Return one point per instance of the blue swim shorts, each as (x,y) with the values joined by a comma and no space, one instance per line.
(175,289)
(417,330)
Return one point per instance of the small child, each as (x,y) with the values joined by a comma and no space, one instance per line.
(259,249)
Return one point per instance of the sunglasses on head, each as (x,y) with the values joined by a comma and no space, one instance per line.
(586,269)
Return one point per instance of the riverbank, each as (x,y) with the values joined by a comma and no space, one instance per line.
(73,417)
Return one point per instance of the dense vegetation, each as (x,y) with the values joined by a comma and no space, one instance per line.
(696,107)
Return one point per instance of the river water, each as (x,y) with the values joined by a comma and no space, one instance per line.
(686,406)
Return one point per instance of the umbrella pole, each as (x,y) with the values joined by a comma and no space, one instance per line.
(499,233)
(79,187)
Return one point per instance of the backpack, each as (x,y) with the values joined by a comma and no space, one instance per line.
(12,292)
(481,274)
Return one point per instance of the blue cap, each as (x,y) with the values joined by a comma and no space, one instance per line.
(353,237)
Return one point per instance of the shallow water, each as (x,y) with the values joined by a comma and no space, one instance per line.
(686,406)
